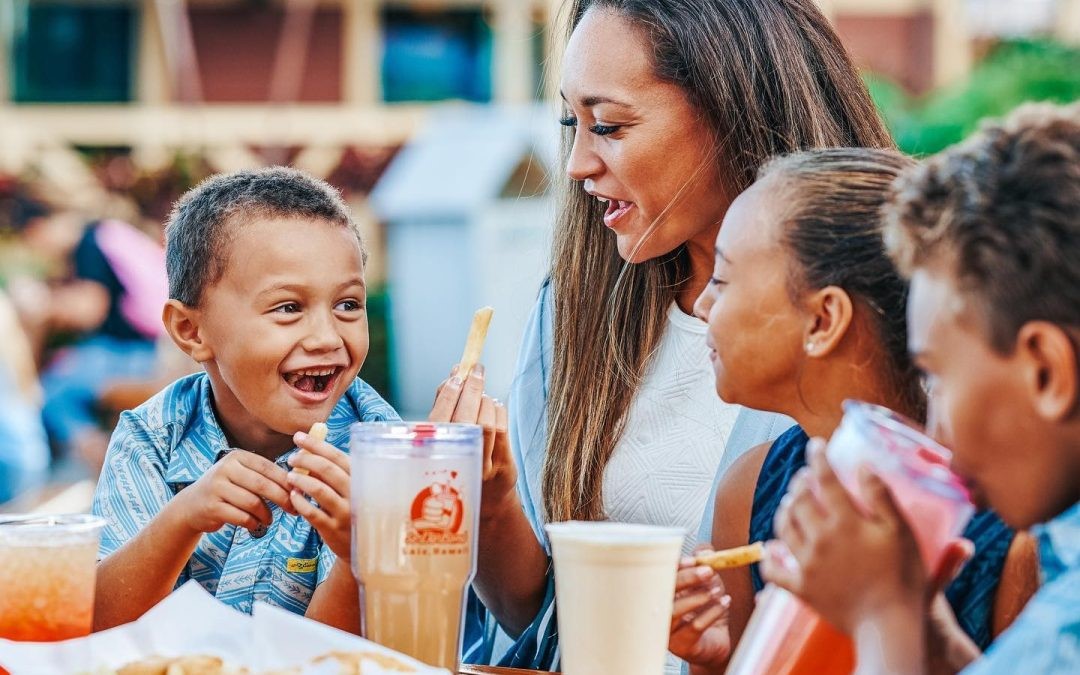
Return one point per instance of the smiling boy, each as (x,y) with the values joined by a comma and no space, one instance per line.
(266,287)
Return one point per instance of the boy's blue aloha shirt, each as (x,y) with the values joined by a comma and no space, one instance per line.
(1045,638)
(166,444)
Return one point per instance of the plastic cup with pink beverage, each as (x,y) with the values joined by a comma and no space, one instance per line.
(784,635)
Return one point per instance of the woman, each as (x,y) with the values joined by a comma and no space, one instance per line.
(801,272)
(670,106)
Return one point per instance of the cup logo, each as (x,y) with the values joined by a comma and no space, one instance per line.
(437,514)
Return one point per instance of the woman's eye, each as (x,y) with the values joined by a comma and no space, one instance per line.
(603,129)
(348,306)
(568,121)
(287,308)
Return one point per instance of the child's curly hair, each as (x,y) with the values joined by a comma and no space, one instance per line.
(1000,212)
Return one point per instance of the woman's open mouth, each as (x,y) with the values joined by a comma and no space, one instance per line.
(313,383)
(616,209)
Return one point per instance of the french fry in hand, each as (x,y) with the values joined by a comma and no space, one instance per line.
(474,345)
(318,433)
(732,557)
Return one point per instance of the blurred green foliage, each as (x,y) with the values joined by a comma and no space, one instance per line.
(1013,73)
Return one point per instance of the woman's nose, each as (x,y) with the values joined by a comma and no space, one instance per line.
(583,162)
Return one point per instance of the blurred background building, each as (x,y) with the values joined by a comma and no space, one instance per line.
(434,117)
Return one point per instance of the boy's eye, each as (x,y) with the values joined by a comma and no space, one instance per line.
(349,306)
(287,308)
(713,281)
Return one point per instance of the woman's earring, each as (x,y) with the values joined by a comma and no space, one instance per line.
(809,347)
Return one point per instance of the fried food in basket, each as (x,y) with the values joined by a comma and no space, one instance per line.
(181,665)
(352,663)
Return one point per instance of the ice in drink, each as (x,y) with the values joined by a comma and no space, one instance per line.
(416,491)
(615,585)
(47,568)
(785,636)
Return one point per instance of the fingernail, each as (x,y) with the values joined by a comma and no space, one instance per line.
(456,381)
(686,561)
(726,601)
(704,572)
(300,437)
(478,370)
(455,369)
(716,590)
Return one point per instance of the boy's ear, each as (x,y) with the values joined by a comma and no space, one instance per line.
(831,313)
(1053,376)
(182,324)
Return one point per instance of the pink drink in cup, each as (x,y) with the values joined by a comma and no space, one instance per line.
(784,635)
(47,572)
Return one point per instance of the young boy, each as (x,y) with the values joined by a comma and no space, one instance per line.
(989,232)
(266,288)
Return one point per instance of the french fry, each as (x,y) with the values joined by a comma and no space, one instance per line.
(318,433)
(474,345)
(732,557)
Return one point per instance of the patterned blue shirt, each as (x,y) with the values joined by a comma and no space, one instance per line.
(170,441)
(1046,636)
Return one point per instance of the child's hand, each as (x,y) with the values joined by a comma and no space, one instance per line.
(699,617)
(327,482)
(853,565)
(465,402)
(234,492)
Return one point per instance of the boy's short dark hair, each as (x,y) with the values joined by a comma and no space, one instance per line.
(1002,212)
(199,228)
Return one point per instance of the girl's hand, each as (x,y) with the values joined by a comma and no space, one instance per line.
(854,565)
(699,628)
(327,482)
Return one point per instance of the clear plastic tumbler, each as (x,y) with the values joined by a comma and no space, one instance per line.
(785,636)
(416,508)
(47,576)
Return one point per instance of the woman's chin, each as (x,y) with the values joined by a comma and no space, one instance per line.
(632,250)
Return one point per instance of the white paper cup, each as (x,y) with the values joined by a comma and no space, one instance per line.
(614,585)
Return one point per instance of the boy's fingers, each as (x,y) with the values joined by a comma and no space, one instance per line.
(238,497)
(468,405)
(262,466)
(831,490)
(322,449)
(239,517)
(324,469)
(773,569)
(259,486)
(309,512)
(878,497)
(446,400)
(329,500)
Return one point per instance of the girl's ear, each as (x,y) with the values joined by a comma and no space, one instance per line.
(183,325)
(831,312)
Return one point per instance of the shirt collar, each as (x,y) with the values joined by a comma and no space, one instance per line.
(1059,544)
(201,444)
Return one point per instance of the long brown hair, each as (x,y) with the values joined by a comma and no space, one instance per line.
(768,77)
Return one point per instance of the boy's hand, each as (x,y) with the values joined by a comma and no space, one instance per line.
(465,402)
(699,617)
(328,483)
(854,565)
(234,492)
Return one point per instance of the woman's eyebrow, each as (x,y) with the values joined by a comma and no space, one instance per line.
(594,100)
